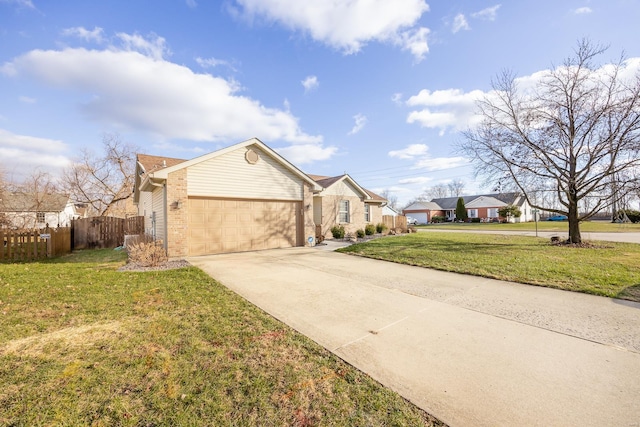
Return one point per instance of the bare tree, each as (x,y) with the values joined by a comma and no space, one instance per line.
(392,199)
(437,191)
(456,188)
(577,133)
(102,181)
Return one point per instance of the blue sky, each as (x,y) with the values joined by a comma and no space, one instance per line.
(376,88)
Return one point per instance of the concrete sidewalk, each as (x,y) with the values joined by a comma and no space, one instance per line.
(470,351)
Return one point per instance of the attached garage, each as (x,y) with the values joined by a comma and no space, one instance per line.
(242,198)
(218,225)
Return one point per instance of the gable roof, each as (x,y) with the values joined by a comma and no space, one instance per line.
(33,202)
(499,199)
(328,181)
(152,163)
(431,206)
(173,165)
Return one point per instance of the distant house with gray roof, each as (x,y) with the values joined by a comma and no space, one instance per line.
(483,206)
(37,210)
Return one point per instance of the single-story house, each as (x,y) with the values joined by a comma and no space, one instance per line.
(241,198)
(37,210)
(484,206)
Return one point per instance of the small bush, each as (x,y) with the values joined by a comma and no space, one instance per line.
(370,229)
(146,252)
(437,218)
(381,228)
(633,215)
(337,231)
(475,219)
(360,233)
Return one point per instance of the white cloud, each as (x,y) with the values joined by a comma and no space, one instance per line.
(346,25)
(460,23)
(582,10)
(410,152)
(488,14)
(440,163)
(22,152)
(360,122)
(397,98)
(301,154)
(192,4)
(415,41)
(154,46)
(450,108)
(310,83)
(20,3)
(96,35)
(213,62)
(129,89)
(416,180)
(27,100)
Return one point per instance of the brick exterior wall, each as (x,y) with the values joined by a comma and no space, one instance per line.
(330,209)
(177,217)
(309,227)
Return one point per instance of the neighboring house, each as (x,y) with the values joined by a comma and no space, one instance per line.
(389,211)
(31,210)
(342,201)
(422,211)
(483,206)
(241,198)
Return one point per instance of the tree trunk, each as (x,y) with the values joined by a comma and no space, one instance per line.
(574,224)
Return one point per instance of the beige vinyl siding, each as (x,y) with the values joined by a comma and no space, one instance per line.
(230,175)
(144,209)
(342,188)
(158,207)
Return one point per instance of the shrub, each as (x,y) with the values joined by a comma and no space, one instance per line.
(633,215)
(381,228)
(337,231)
(369,229)
(146,252)
(475,219)
(437,218)
(360,233)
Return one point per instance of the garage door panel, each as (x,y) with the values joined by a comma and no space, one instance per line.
(223,225)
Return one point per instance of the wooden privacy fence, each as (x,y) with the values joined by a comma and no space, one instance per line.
(104,231)
(393,222)
(34,244)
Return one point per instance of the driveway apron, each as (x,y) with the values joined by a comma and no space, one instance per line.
(468,350)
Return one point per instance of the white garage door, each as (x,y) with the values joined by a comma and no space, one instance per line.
(235,225)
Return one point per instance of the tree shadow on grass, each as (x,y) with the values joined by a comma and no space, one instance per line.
(631,293)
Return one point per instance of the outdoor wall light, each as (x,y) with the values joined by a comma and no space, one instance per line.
(176,205)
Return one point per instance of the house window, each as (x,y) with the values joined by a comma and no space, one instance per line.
(40,217)
(492,213)
(473,213)
(367,212)
(343,214)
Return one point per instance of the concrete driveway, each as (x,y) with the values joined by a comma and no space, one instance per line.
(468,350)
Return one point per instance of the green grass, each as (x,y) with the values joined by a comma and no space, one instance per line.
(558,226)
(609,269)
(84,344)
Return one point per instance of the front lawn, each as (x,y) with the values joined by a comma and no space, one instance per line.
(608,269)
(554,226)
(84,344)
